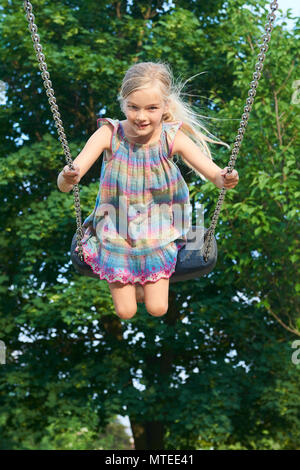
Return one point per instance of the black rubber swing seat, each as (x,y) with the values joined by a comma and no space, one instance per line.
(190,262)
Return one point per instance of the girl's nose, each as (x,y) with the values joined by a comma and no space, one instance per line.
(140,115)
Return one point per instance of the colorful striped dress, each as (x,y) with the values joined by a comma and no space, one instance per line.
(142,211)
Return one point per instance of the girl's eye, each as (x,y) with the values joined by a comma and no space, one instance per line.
(152,107)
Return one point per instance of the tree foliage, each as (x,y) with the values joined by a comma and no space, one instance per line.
(223,352)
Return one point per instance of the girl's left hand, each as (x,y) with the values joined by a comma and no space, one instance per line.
(228,180)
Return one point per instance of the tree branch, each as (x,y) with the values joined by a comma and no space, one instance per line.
(291,330)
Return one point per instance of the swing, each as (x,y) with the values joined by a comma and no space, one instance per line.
(190,263)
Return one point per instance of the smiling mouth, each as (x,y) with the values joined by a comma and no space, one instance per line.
(142,126)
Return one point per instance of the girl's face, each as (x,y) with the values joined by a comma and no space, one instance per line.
(144,110)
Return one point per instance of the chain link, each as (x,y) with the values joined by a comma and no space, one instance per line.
(243,124)
(56,115)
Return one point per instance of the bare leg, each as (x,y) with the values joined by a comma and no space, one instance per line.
(156,297)
(124,298)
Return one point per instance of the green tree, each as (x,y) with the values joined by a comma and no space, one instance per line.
(222,354)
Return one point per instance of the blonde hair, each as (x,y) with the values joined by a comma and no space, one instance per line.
(148,74)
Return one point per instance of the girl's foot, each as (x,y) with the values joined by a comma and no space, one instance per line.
(139,291)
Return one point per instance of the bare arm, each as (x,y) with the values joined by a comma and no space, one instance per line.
(192,153)
(93,148)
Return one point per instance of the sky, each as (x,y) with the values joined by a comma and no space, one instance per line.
(294,5)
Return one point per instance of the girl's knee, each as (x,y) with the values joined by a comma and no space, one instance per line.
(124,299)
(156,297)
(126,314)
(157,310)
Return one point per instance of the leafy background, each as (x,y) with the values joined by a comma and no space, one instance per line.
(223,352)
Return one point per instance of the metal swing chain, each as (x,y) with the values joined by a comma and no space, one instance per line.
(243,124)
(56,115)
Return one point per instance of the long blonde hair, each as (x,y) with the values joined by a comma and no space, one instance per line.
(146,74)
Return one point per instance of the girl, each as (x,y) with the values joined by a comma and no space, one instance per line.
(138,176)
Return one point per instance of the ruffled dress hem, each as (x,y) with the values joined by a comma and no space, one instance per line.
(126,276)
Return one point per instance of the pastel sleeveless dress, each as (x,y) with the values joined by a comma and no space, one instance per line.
(142,211)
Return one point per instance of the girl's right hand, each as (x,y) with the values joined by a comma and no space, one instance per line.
(71,176)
